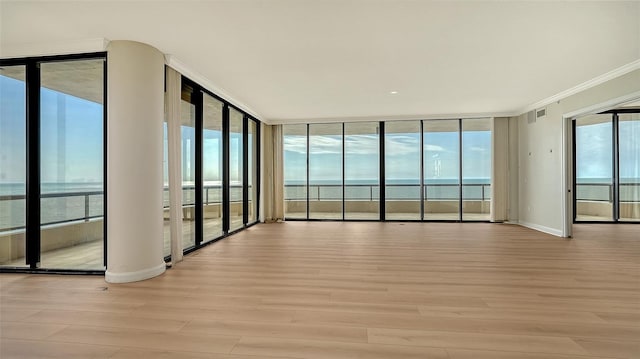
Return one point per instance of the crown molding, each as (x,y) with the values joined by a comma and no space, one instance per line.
(620,71)
(8,50)
(203,81)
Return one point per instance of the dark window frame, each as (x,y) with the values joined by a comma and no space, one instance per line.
(33,160)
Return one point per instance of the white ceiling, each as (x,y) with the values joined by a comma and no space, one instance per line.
(307,60)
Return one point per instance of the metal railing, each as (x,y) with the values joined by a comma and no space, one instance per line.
(189,196)
(603,192)
(85,210)
(49,212)
(371,192)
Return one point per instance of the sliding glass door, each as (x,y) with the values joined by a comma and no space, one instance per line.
(219,153)
(325,171)
(402,170)
(629,140)
(52,169)
(398,170)
(361,170)
(211,168)
(607,167)
(295,171)
(476,169)
(13,165)
(441,146)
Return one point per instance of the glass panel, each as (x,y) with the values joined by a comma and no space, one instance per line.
(402,170)
(13,159)
(325,171)
(253,171)
(72,202)
(362,174)
(476,169)
(295,171)
(235,168)
(629,139)
(441,146)
(212,168)
(594,168)
(188,144)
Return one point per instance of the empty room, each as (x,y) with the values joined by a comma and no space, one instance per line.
(320,179)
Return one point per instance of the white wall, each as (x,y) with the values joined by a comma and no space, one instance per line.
(540,153)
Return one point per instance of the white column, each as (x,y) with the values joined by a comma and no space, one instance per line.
(135,100)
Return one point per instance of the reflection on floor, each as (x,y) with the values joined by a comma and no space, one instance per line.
(89,255)
(85,256)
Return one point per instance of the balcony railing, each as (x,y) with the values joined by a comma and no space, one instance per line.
(63,207)
(56,208)
(603,192)
(395,192)
(66,207)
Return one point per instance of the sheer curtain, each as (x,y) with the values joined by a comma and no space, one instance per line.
(499,169)
(172,103)
(273,174)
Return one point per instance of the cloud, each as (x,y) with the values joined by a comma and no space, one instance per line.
(295,144)
(398,145)
(434,148)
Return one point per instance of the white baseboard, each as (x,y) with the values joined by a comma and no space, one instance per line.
(128,277)
(537,227)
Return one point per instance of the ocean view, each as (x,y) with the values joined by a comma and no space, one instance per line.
(66,208)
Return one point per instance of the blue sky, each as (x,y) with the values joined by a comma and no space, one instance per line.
(593,150)
(402,160)
(74,157)
(82,148)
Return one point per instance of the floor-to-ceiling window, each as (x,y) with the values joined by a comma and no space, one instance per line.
(13,165)
(212,168)
(441,146)
(607,167)
(220,153)
(52,166)
(325,171)
(629,151)
(361,170)
(236,137)
(393,170)
(476,169)
(402,170)
(295,171)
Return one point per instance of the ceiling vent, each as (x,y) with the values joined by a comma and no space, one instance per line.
(541,113)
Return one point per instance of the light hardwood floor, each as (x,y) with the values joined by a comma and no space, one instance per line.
(350,290)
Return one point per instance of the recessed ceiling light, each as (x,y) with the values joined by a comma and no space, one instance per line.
(393,92)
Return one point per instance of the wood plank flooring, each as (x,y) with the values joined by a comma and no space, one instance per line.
(349,290)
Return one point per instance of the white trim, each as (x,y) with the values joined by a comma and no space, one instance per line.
(53,48)
(537,227)
(389,118)
(622,70)
(566,178)
(603,106)
(128,277)
(201,80)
